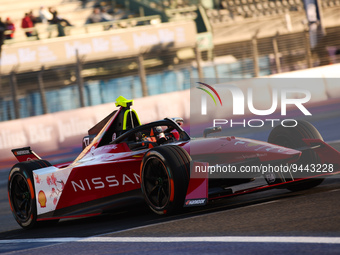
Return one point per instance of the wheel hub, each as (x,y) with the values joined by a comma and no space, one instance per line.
(25,195)
(159,181)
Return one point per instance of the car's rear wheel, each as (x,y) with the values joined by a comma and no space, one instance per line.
(165,175)
(21,192)
(291,137)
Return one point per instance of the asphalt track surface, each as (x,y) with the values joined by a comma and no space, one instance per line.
(271,222)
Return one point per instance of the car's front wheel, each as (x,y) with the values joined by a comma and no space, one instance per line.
(165,175)
(292,137)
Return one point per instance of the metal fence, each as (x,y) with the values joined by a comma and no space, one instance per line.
(90,83)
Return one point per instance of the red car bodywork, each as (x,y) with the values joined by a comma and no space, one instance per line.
(106,175)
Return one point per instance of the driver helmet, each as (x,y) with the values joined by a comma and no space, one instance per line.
(160,136)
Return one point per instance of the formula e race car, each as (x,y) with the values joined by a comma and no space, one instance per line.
(124,162)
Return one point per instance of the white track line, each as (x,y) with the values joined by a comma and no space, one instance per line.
(217,239)
(43,240)
(223,239)
(334,141)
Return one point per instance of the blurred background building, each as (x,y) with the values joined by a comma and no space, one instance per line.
(82,53)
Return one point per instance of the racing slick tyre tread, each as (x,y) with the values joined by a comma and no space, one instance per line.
(185,157)
(291,137)
(21,193)
(165,174)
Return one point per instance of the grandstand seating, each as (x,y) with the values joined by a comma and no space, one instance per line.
(169,4)
(234,10)
(227,12)
(188,12)
(237,20)
(71,10)
(330,3)
(173,9)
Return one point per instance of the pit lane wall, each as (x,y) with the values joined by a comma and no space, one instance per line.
(62,130)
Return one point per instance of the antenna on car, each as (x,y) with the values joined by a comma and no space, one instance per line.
(122,101)
(130,121)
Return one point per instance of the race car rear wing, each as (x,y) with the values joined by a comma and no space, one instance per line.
(25,154)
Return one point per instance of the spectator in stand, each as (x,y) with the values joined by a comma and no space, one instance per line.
(27,23)
(44,15)
(34,18)
(106,16)
(56,19)
(2,33)
(83,3)
(118,13)
(9,27)
(97,16)
(60,22)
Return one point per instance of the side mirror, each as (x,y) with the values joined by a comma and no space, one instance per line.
(211,130)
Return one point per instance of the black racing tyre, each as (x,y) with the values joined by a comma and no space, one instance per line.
(291,137)
(165,174)
(21,192)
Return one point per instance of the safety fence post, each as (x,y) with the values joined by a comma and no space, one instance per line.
(142,75)
(255,56)
(276,53)
(14,89)
(80,80)
(199,66)
(308,50)
(42,90)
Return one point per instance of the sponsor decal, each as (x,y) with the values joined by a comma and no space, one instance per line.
(92,150)
(40,133)
(12,139)
(72,127)
(104,182)
(42,199)
(270,177)
(264,146)
(195,202)
(251,144)
(50,183)
(86,141)
(22,152)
